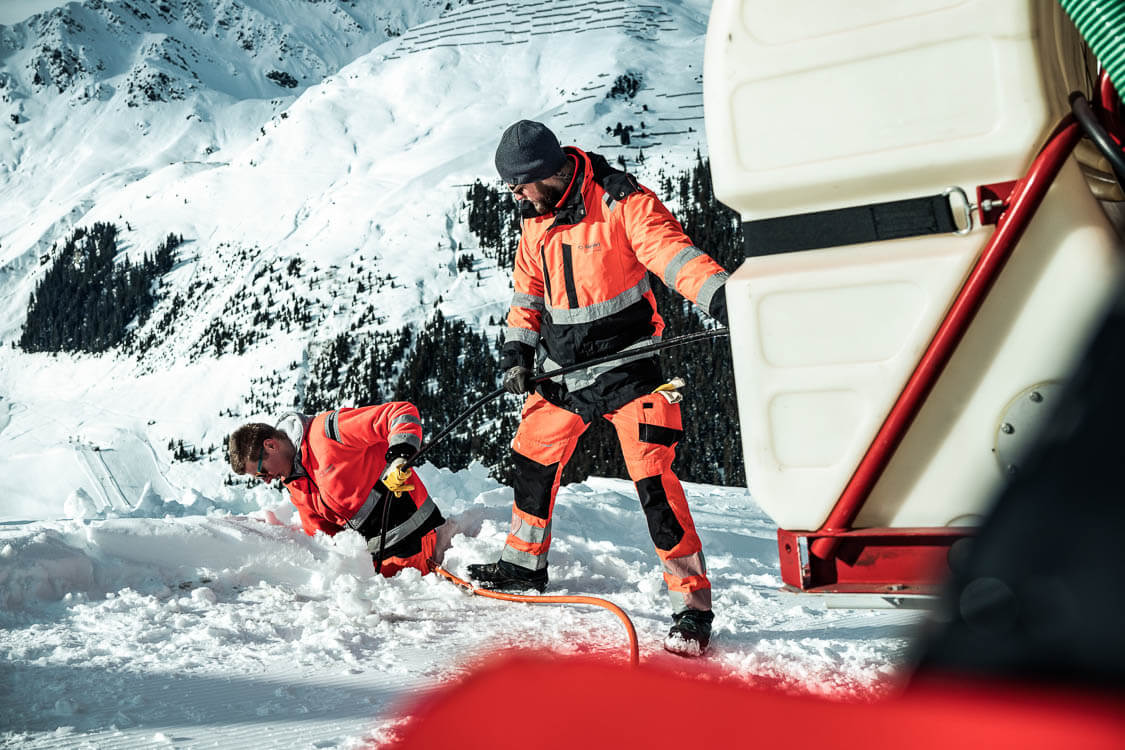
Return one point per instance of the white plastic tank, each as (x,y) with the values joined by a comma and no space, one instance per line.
(815,105)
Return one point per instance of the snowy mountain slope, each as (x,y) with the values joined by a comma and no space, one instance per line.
(343,215)
(95,95)
(212,630)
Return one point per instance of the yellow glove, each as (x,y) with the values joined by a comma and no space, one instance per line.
(397,476)
(671,390)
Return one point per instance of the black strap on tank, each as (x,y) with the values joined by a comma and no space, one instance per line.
(892,220)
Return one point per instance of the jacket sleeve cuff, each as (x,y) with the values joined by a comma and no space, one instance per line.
(718,307)
(515,353)
(399,450)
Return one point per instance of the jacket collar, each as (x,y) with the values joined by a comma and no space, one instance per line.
(295,426)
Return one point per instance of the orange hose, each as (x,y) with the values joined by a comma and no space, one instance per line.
(629,629)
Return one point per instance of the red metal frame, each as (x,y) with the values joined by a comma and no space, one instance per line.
(873,559)
(893,562)
(1109,104)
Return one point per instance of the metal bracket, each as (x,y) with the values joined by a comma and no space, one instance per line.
(993,200)
(966,207)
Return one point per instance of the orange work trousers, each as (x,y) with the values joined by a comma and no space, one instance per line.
(648,429)
(423,560)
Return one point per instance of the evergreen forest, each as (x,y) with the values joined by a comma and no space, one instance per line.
(88,302)
(441,369)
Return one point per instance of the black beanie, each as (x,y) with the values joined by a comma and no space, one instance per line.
(528,152)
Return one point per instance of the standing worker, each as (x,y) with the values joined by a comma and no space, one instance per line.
(338,464)
(590,235)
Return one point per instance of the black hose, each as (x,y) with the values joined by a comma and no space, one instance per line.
(1097,133)
(458,420)
(689,338)
(385,497)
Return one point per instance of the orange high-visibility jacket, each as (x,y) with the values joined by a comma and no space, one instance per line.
(340,458)
(582,286)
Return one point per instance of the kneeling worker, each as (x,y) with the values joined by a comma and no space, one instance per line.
(336,466)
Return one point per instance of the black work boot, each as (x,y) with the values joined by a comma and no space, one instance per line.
(690,633)
(506,576)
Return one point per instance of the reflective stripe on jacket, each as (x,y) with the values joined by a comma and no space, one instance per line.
(340,457)
(582,287)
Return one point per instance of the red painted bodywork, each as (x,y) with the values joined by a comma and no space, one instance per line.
(603,705)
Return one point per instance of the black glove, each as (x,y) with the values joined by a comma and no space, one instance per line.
(399,450)
(517,380)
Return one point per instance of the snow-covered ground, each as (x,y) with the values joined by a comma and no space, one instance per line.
(219,623)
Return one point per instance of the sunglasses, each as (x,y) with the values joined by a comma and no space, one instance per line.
(261,474)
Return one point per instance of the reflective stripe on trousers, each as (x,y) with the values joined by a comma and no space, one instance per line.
(543,444)
(397,533)
(404,529)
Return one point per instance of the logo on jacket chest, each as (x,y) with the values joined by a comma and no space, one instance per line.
(582,246)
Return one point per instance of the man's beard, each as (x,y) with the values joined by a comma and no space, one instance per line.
(551,197)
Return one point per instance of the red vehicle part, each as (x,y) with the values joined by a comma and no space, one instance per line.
(891,562)
(600,705)
(825,543)
(1109,103)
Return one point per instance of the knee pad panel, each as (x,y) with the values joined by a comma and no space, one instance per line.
(663,525)
(534,484)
